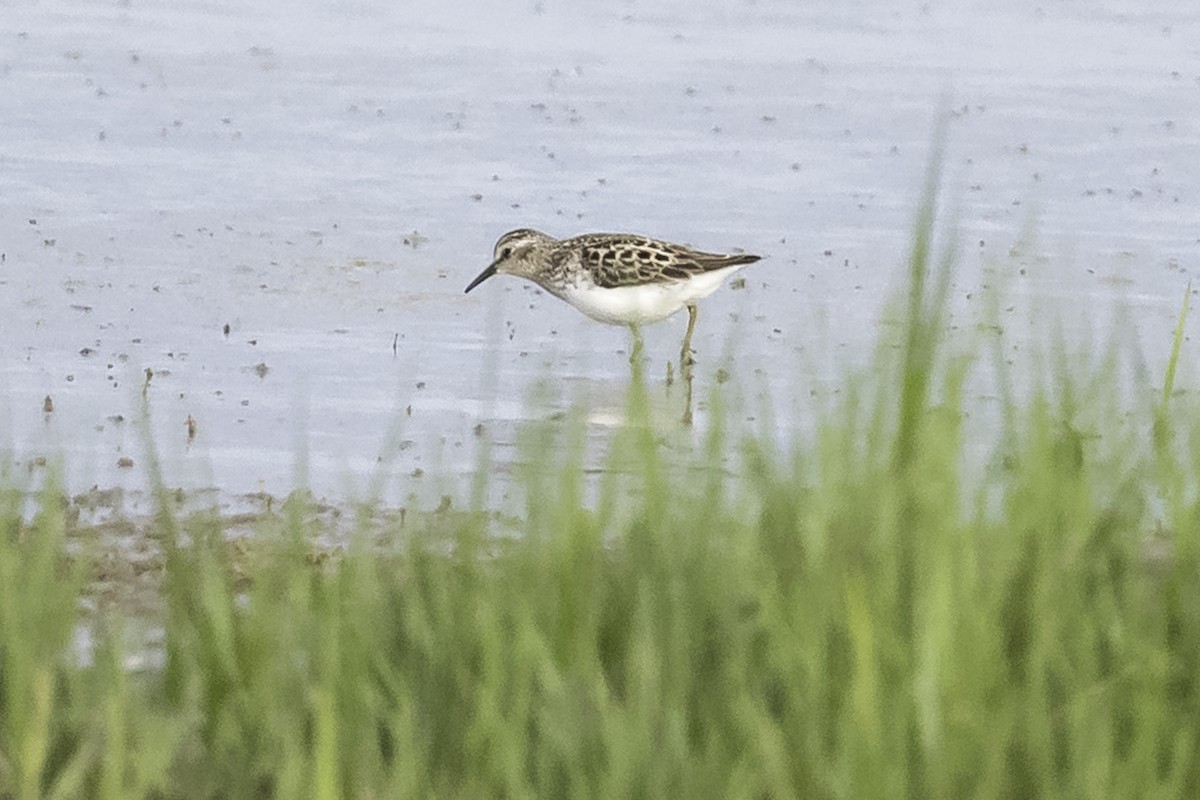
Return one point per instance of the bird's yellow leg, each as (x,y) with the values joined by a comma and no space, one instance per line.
(686,361)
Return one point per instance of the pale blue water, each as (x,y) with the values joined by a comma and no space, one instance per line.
(169,168)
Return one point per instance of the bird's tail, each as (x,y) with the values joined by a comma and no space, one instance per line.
(736,260)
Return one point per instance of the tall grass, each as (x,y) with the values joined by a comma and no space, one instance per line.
(847,618)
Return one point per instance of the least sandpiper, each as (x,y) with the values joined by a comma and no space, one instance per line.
(617,278)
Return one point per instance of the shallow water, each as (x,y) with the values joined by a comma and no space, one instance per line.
(326,182)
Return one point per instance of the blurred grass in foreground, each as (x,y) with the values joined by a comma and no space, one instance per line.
(844,619)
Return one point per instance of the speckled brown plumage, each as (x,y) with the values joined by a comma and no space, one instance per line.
(615,259)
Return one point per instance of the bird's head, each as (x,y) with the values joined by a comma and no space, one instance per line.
(516,253)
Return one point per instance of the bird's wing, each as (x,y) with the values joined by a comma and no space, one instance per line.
(634,260)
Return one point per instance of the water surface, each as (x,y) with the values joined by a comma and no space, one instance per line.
(276,213)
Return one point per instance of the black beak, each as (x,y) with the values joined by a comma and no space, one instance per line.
(483,276)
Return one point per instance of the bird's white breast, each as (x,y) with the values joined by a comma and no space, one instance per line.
(645,303)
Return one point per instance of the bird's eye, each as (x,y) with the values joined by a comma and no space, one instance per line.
(506,252)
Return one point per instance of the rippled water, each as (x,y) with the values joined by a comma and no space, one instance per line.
(325,182)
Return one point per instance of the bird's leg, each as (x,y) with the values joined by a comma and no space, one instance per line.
(638,408)
(686,361)
(635,353)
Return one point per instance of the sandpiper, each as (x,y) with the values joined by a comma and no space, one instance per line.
(617,278)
